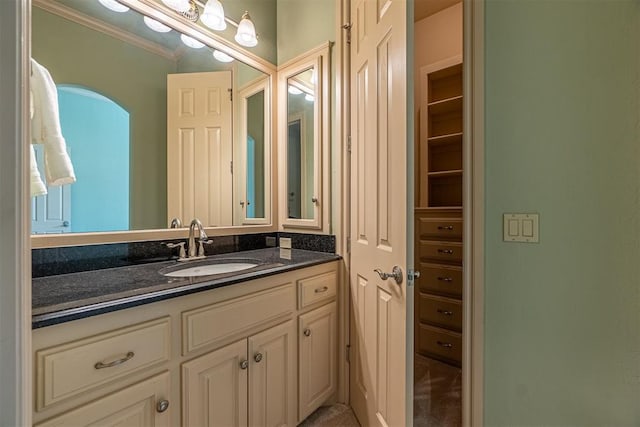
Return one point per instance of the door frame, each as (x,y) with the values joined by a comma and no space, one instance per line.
(473,200)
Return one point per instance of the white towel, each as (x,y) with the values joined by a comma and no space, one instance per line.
(37,186)
(46,130)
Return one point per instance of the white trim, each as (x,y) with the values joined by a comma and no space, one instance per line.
(108,29)
(15,254)
(473,214)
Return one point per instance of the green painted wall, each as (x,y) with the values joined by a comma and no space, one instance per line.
(132,77)
(562,344)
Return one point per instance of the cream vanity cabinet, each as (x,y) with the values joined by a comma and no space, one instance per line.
(258,353)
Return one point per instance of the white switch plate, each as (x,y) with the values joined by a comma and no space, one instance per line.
(520,227)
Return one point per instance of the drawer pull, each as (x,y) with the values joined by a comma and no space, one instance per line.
(321,290)
(307,332)
(257,357)
(162,406)
(244,364)
(102,365)
(445,227)
(445,279)
(445,251)
(444,344)
(445,312)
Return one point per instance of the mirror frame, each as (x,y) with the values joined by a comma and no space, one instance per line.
(169,17)
(317,58)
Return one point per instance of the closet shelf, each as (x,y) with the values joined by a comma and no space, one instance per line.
(456,172)
(445,139)
(447,105)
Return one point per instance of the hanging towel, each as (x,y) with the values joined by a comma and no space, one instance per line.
(37,186)
(46,130)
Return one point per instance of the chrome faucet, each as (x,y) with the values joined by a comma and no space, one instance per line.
(202,239)
(175,223)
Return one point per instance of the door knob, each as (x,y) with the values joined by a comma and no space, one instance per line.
(396,274)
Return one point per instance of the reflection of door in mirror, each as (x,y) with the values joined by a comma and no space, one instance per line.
(199,148)
(300,145)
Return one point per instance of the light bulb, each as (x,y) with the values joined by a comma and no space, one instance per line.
(178,5)
(191,42)
(294,90)
(114,5)
(156,26)
(246,35)
(221,56)
(213,16)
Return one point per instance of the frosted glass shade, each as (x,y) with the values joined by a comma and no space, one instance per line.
(221,56)
(179,5)
(155,25)
(246,35)
(213,16)
(191,42)
(114,5)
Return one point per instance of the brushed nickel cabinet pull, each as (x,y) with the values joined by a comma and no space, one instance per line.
(307,332)
(445,279)
(445,344)
(244,364)
(445,312)
(162,406)
(102,365)
(445,251)
(321,290)
(445,227)
(257,357)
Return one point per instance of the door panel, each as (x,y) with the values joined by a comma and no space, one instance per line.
(378,211)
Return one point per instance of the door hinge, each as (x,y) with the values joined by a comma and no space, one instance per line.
(230,94)
(412,275)
(347,27)
(349,144)
(348,353)
(231,166)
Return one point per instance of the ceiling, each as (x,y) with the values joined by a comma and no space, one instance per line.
(424,8)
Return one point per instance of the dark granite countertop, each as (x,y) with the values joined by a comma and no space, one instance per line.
(66,297)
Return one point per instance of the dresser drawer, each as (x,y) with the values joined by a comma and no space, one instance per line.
(440,251)
(314,289)
(72,368)
(440,279)
(440,311)
(440,343)
(206,326)
(440,228)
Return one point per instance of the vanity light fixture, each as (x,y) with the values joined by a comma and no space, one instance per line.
(294,90)
(221,56)
(114,5)
(156,26)
(213,16)
(246,34)
(191,42)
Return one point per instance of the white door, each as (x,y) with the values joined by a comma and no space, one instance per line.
(200,148)
(51,212)
(378,211)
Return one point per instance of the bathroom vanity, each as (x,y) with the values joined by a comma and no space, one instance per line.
(254,347)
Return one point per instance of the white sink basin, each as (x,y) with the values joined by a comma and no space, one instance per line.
(210,269)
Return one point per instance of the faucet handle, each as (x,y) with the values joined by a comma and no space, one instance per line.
(182,252)
(203,242)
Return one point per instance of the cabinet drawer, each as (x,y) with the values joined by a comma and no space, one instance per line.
(440,343)
(440,279)
(69,369)
(318,288)
(440,311)
(208,325)
(440,251)
(440,228)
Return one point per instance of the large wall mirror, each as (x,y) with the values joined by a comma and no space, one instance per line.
(303,103)
(158,125)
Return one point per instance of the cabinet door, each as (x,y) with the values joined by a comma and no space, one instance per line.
(272,377)
(134,406)
(214,388)
(317,343)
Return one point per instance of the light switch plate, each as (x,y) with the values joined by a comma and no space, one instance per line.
(285,242)
(521,227)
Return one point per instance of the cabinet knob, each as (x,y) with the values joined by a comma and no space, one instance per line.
(257,357)
(244,364)
(314,200)
(307,332)
(162,406)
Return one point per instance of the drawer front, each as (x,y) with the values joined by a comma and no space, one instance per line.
(69,369)
(211,324)
(440,228)
(440,343)
(440,251)
(312,290)
(440,279)
(439,311)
